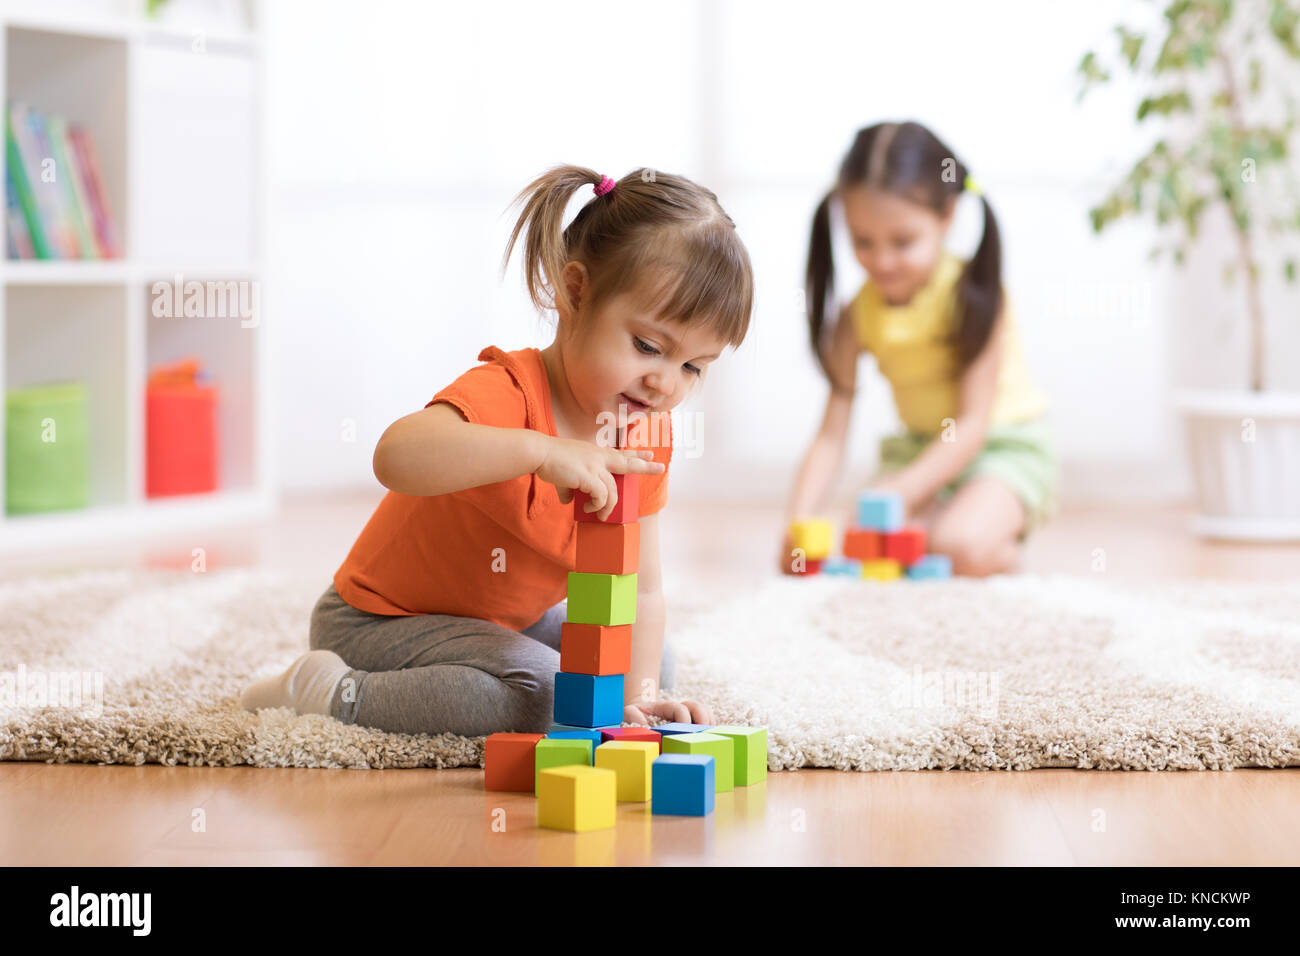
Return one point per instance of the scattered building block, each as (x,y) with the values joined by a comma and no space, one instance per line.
(749,750)
(846,567)
(642,734)
(608,548)
(813,535)
(931,566)
(587,701)
(882,569)
(632,761)
(625,511)
(812,566)
(595,648)
(608,599)
(577,798)
(559,752)
(906,546)
(683,784)
(720,748)
(862,544)
(578,733)
(880,511)
(675,728)
(508,762)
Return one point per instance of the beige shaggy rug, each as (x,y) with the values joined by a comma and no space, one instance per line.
(1007,673)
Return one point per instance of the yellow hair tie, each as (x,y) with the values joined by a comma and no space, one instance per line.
(972,186)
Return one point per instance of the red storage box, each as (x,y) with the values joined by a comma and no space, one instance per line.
(181,432)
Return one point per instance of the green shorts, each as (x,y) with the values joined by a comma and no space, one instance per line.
(1022,455)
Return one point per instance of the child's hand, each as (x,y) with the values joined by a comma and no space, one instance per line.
(571,464)
(678,711)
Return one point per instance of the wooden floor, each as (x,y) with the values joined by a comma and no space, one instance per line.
(91,815)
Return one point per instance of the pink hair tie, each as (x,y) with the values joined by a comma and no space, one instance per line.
(606,184)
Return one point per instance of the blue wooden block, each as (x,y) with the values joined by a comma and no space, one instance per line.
(587,701)
(880,511)
(845,567)
(682,784)
(578,733)
(931,566)
(682,728)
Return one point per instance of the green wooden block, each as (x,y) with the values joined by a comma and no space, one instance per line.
(602,598)
(720,748)
(750,752)
(560,752)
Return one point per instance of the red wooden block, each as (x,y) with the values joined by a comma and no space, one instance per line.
(644,734)
(812,566)
(862,544)
(599,649)
(625,512)
(508,762)
(608,548)
(906,546)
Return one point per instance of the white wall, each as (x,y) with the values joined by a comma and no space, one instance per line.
(401,132)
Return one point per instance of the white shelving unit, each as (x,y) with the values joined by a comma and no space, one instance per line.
(175,109)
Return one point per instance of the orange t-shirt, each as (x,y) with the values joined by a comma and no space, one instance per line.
(500,552)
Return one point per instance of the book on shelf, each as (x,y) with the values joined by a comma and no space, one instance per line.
(56,204)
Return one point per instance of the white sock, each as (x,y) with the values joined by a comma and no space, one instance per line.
(307,686)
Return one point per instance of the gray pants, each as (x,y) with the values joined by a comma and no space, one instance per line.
(438,673)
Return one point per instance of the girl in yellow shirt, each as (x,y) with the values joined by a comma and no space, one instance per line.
(975,463)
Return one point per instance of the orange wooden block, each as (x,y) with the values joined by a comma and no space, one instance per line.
(862,544)
(600,649)
(508,762)
(608,548)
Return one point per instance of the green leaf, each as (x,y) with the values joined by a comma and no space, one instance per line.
(1288,270)
(1130,45)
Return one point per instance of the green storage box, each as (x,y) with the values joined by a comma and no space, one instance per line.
(43,474)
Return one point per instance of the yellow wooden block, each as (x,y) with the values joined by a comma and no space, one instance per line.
(814,536)
(632,760)
(882,569)
(576,798)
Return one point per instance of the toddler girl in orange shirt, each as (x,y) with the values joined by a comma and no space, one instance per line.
(445,615)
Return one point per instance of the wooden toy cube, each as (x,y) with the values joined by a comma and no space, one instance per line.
(644,734)
(880,511)
(577,733)
(561,752)
(750,750)
(812,566)
(906,546)
(862,544)
(608,599)
(683,784)
(632,761)
(674,728)
(843,567)
(625,511)
(595,648)
(931,566)
(882,569)
(608,548)
(508,761)
(577,798)
(813,535)
(721,749)
(585,700)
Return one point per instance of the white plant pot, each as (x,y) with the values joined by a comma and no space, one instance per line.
(1245,457)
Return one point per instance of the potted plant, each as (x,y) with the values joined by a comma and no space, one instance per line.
(1206,64)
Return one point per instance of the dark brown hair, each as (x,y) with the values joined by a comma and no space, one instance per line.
(654,231)
(909,161)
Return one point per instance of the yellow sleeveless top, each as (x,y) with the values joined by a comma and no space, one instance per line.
(910,343)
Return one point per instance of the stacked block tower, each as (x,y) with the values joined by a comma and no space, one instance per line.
(877,546)
(587,763)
